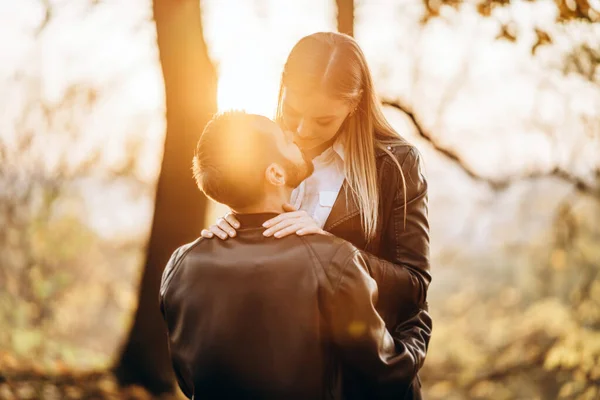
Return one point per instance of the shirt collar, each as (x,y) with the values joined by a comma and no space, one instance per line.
(338,147)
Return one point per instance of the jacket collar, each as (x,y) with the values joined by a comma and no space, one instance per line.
(253,220)
(338,148)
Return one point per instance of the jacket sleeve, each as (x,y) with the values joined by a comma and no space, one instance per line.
(167,275)
(359,332)
(181,373)
(403,276)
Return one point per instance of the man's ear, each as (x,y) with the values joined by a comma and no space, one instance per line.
(275,175)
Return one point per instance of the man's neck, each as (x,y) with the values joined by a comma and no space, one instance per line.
(270,204)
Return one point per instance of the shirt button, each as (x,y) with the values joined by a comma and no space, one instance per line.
(389,147)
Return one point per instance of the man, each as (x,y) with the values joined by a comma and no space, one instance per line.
(264,318)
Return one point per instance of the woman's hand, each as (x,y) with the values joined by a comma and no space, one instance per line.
(292,221)
(224,227)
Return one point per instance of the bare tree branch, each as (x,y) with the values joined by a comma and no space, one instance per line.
(495,184)
(449,154)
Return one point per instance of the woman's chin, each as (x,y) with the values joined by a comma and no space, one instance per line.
(308,144)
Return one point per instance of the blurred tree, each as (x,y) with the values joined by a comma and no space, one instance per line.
(37,270)
(567,10)
(345,16)
(585,10)
(545,323)
(190,86)
(583,59)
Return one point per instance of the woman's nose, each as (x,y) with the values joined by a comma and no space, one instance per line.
(301,129)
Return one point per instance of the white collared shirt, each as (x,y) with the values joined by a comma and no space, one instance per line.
(318,192)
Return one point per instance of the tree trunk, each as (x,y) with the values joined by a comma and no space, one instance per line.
(345,16)
(180,208)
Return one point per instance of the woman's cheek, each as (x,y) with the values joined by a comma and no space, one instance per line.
(332,131)
(290,123)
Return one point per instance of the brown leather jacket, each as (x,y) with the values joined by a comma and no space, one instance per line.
(265,318)
(400,250)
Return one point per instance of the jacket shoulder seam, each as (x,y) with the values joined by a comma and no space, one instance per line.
(177,257)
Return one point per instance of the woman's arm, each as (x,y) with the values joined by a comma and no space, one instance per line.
(389,362)
(402,271)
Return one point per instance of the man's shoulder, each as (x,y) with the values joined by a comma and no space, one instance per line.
(175,261)
(329,249)
(333,257)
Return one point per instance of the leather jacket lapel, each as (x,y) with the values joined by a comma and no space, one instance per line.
(345,207)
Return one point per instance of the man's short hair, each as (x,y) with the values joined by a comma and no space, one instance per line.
(231,158)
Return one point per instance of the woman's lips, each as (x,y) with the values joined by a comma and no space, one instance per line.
(298,139)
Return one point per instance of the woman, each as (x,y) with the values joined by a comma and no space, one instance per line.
(367,186)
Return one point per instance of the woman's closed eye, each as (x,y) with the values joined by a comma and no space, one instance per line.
(323,124)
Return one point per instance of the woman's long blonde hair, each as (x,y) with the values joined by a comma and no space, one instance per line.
(334,62)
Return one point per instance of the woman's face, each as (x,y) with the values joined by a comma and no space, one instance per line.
(314,119)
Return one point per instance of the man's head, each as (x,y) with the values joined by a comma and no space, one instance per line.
(241,159)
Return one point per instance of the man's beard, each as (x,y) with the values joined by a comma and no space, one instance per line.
(295,174)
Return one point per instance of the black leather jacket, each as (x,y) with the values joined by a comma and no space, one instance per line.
(265,318)
(401,250)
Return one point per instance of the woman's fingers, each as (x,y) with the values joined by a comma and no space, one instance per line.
(310,230)
(284,216)
(230,218)
(289,230)
(281,225)
(226,227)
(300,226)
(218,232)
(223,228)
